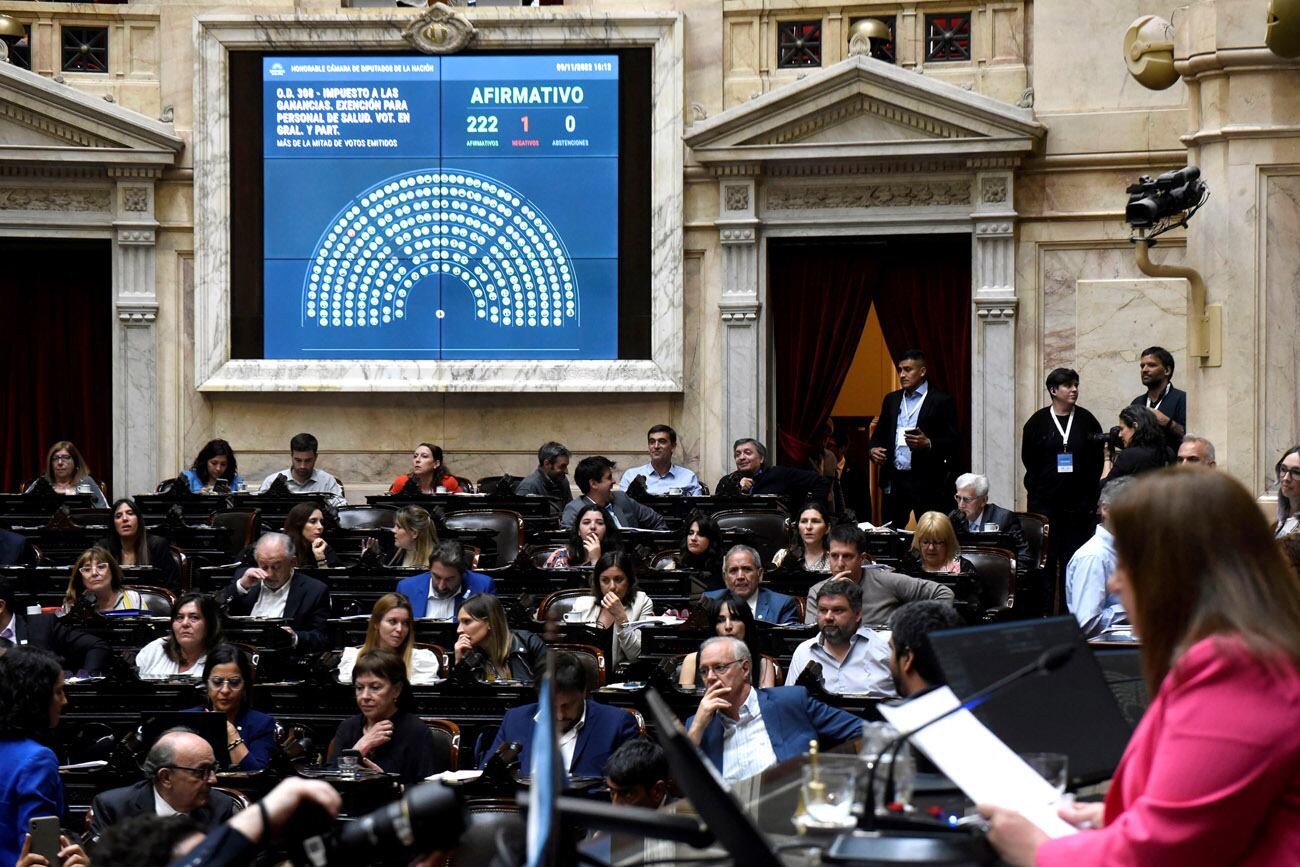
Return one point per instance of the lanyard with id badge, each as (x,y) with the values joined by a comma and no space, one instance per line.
(1064,460)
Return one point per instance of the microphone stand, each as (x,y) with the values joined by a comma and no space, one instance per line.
(1050,660)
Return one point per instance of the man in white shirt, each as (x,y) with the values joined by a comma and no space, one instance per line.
(274,590)
(179,772)
(1088,574)
(303,477)
(854,659)
(662,476)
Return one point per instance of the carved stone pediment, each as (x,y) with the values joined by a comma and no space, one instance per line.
(47,124)
(865,109)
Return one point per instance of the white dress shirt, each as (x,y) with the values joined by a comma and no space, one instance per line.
(152,663)
(865,669)
(161,807)
(440,607)
(270,603)
(746,746)
(423,668)
(569,740)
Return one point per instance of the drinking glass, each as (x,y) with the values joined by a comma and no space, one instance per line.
(828,795)
(1053,767)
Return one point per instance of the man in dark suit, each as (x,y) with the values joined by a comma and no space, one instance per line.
(79,651)
(763,726)
(915,443)
(551,478)
(975,514)
(754,476)
(179,772)
(274,589)
(595,478)
(1156,367)
(438,593)
(15,550)
(742,572)
(589,732)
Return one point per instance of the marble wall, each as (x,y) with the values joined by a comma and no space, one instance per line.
(1281,357)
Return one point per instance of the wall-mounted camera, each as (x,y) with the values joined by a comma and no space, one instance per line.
(1165,202)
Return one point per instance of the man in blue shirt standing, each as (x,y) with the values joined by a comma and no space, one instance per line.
(1086,594)
(662,476)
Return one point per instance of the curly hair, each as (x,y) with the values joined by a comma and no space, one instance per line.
(28,676)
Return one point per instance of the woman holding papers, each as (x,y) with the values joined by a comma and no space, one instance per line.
(1212,773)
(615,602)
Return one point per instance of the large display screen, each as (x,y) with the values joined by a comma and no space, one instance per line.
(440,208)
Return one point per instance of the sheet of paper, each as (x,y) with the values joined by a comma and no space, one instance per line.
(981,765)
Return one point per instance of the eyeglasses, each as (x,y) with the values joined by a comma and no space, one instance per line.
(202,773)
(962,499)
(219,682)
(62,459)
(1293,472)
(706,670)
(91,570)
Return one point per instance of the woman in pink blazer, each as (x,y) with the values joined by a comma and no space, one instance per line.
(1212,774)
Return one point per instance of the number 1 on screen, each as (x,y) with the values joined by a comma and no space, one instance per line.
(525,119)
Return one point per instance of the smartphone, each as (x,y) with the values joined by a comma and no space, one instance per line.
(913,431)
(45,838)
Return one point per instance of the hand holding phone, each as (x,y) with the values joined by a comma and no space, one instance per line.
(45,838)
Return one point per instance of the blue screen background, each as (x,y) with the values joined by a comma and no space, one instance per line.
(419,224)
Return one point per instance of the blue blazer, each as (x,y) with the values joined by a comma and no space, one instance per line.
(606,729)
(792,718)
(15,550)
(258,731)
(772,607)
(416,589)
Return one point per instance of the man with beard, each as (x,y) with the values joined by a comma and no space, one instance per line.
(1156,367)
(854,659)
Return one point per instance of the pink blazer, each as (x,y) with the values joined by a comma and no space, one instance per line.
(1212,774)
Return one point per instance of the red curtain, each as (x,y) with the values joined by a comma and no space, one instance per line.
(821,291)
(821,294)
(56,360)
(923,302)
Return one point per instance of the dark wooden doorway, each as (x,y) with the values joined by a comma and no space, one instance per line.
(56,357)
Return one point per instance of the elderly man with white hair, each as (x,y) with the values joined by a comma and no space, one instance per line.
(274,589)
(975,514)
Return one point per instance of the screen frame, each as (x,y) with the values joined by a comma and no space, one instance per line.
(497,29)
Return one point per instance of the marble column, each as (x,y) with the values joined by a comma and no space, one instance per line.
(740,308)
(994,432)
(135,354)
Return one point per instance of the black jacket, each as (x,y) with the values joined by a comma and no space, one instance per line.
(307,609)
(937,419)
(1007,523)
(799,485)
(16,550)
(1052,493)
(113,806)
(79,651)
(1136,460)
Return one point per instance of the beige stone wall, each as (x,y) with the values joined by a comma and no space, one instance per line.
(1103,131)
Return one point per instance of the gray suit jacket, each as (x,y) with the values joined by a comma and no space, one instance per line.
(627,511)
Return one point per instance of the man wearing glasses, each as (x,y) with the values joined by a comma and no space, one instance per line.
(975,514)
(179,772)
(745,730)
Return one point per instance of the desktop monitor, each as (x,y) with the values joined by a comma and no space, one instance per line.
(209,726)
(1071,710)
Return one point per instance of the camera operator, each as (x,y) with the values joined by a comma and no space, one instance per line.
(1143,444)
(1063,461)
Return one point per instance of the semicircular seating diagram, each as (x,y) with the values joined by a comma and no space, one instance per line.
(415,226)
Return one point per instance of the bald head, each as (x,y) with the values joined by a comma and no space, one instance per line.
(182,768)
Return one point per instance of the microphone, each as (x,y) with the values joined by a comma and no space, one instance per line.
(1048,661)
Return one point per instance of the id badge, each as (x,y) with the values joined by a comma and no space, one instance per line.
(1065,463)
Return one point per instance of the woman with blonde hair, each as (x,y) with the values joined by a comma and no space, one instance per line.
(935,547)
(1211,775)
(96,572)
(67,473)
(415,535)
(392,628)
(485,642)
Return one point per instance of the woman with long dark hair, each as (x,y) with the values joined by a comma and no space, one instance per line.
(701,549)
(132,545)
(31,699)
(592,535)
(214,466)
(1211,775)
(731,616)
(305,525)
(615,601)
(1288,493)
(807,551)
(428,471)
(1145,447)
